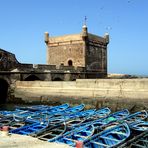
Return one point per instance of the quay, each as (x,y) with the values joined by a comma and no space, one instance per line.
(94,93)
(23,141)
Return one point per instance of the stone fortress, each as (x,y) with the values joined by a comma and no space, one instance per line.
(69,57)
(75,72)
(79,50)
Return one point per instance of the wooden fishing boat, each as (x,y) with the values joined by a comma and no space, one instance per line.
(10,113)
(55,124)
(79,134)
(139,141)
(84,114)
(81,114)
(109,138)
(24,115)
(58,108)
(30,129)
(40,113)
(19,115)
(6,121)
(13,124)
(141,115)
(103,122)
(44,108)
(52,132)
(33,107)
(18,124)
(71,110)
(139,126)
(73,123)
(39,117)
(69,119)
(103,112)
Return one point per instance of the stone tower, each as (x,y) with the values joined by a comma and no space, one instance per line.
(83,49)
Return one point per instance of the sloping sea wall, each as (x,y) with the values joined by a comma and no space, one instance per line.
(115,93)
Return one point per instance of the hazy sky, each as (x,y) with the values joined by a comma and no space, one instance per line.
(23,23)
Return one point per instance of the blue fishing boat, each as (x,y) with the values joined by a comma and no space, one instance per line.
(103,112)
(39,117)
(79,134)
(141,115)
(109,138)
(81,114)
(139,126)
(59,108)
(14,124)
(103,122)
(44,108)
(52,132)
(24,115)
(39,126)
(6,121)
(30,129)
(138,141)
(84,114)
(76,122)
(18,124)
(33,107)
(71,110)
(46,112)
(10,113)
(70,120)
(98,114)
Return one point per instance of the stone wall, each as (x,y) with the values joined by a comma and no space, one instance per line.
(96,54)
(117,93)
(8,61)
(61,50)
(63,53)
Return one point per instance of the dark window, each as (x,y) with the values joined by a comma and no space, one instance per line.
(70,63)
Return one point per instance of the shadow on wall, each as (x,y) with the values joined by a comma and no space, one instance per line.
(3,91)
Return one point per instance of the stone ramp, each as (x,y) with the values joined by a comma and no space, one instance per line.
(22,141)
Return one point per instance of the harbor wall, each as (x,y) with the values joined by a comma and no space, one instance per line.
(116,93)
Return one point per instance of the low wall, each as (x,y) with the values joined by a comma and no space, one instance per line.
(94,92)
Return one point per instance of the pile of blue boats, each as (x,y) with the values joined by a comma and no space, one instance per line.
(64,124)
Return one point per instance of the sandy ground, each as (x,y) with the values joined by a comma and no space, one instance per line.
(20,141)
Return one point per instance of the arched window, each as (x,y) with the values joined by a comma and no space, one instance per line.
(70,63)
(57,79)
(32,78)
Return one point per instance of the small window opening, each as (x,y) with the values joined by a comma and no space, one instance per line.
(70,63)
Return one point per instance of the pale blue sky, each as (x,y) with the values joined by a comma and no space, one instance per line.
(23,23)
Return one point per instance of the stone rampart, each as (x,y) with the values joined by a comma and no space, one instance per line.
(97,92)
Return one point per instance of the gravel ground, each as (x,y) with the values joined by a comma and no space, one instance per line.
(21,141)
